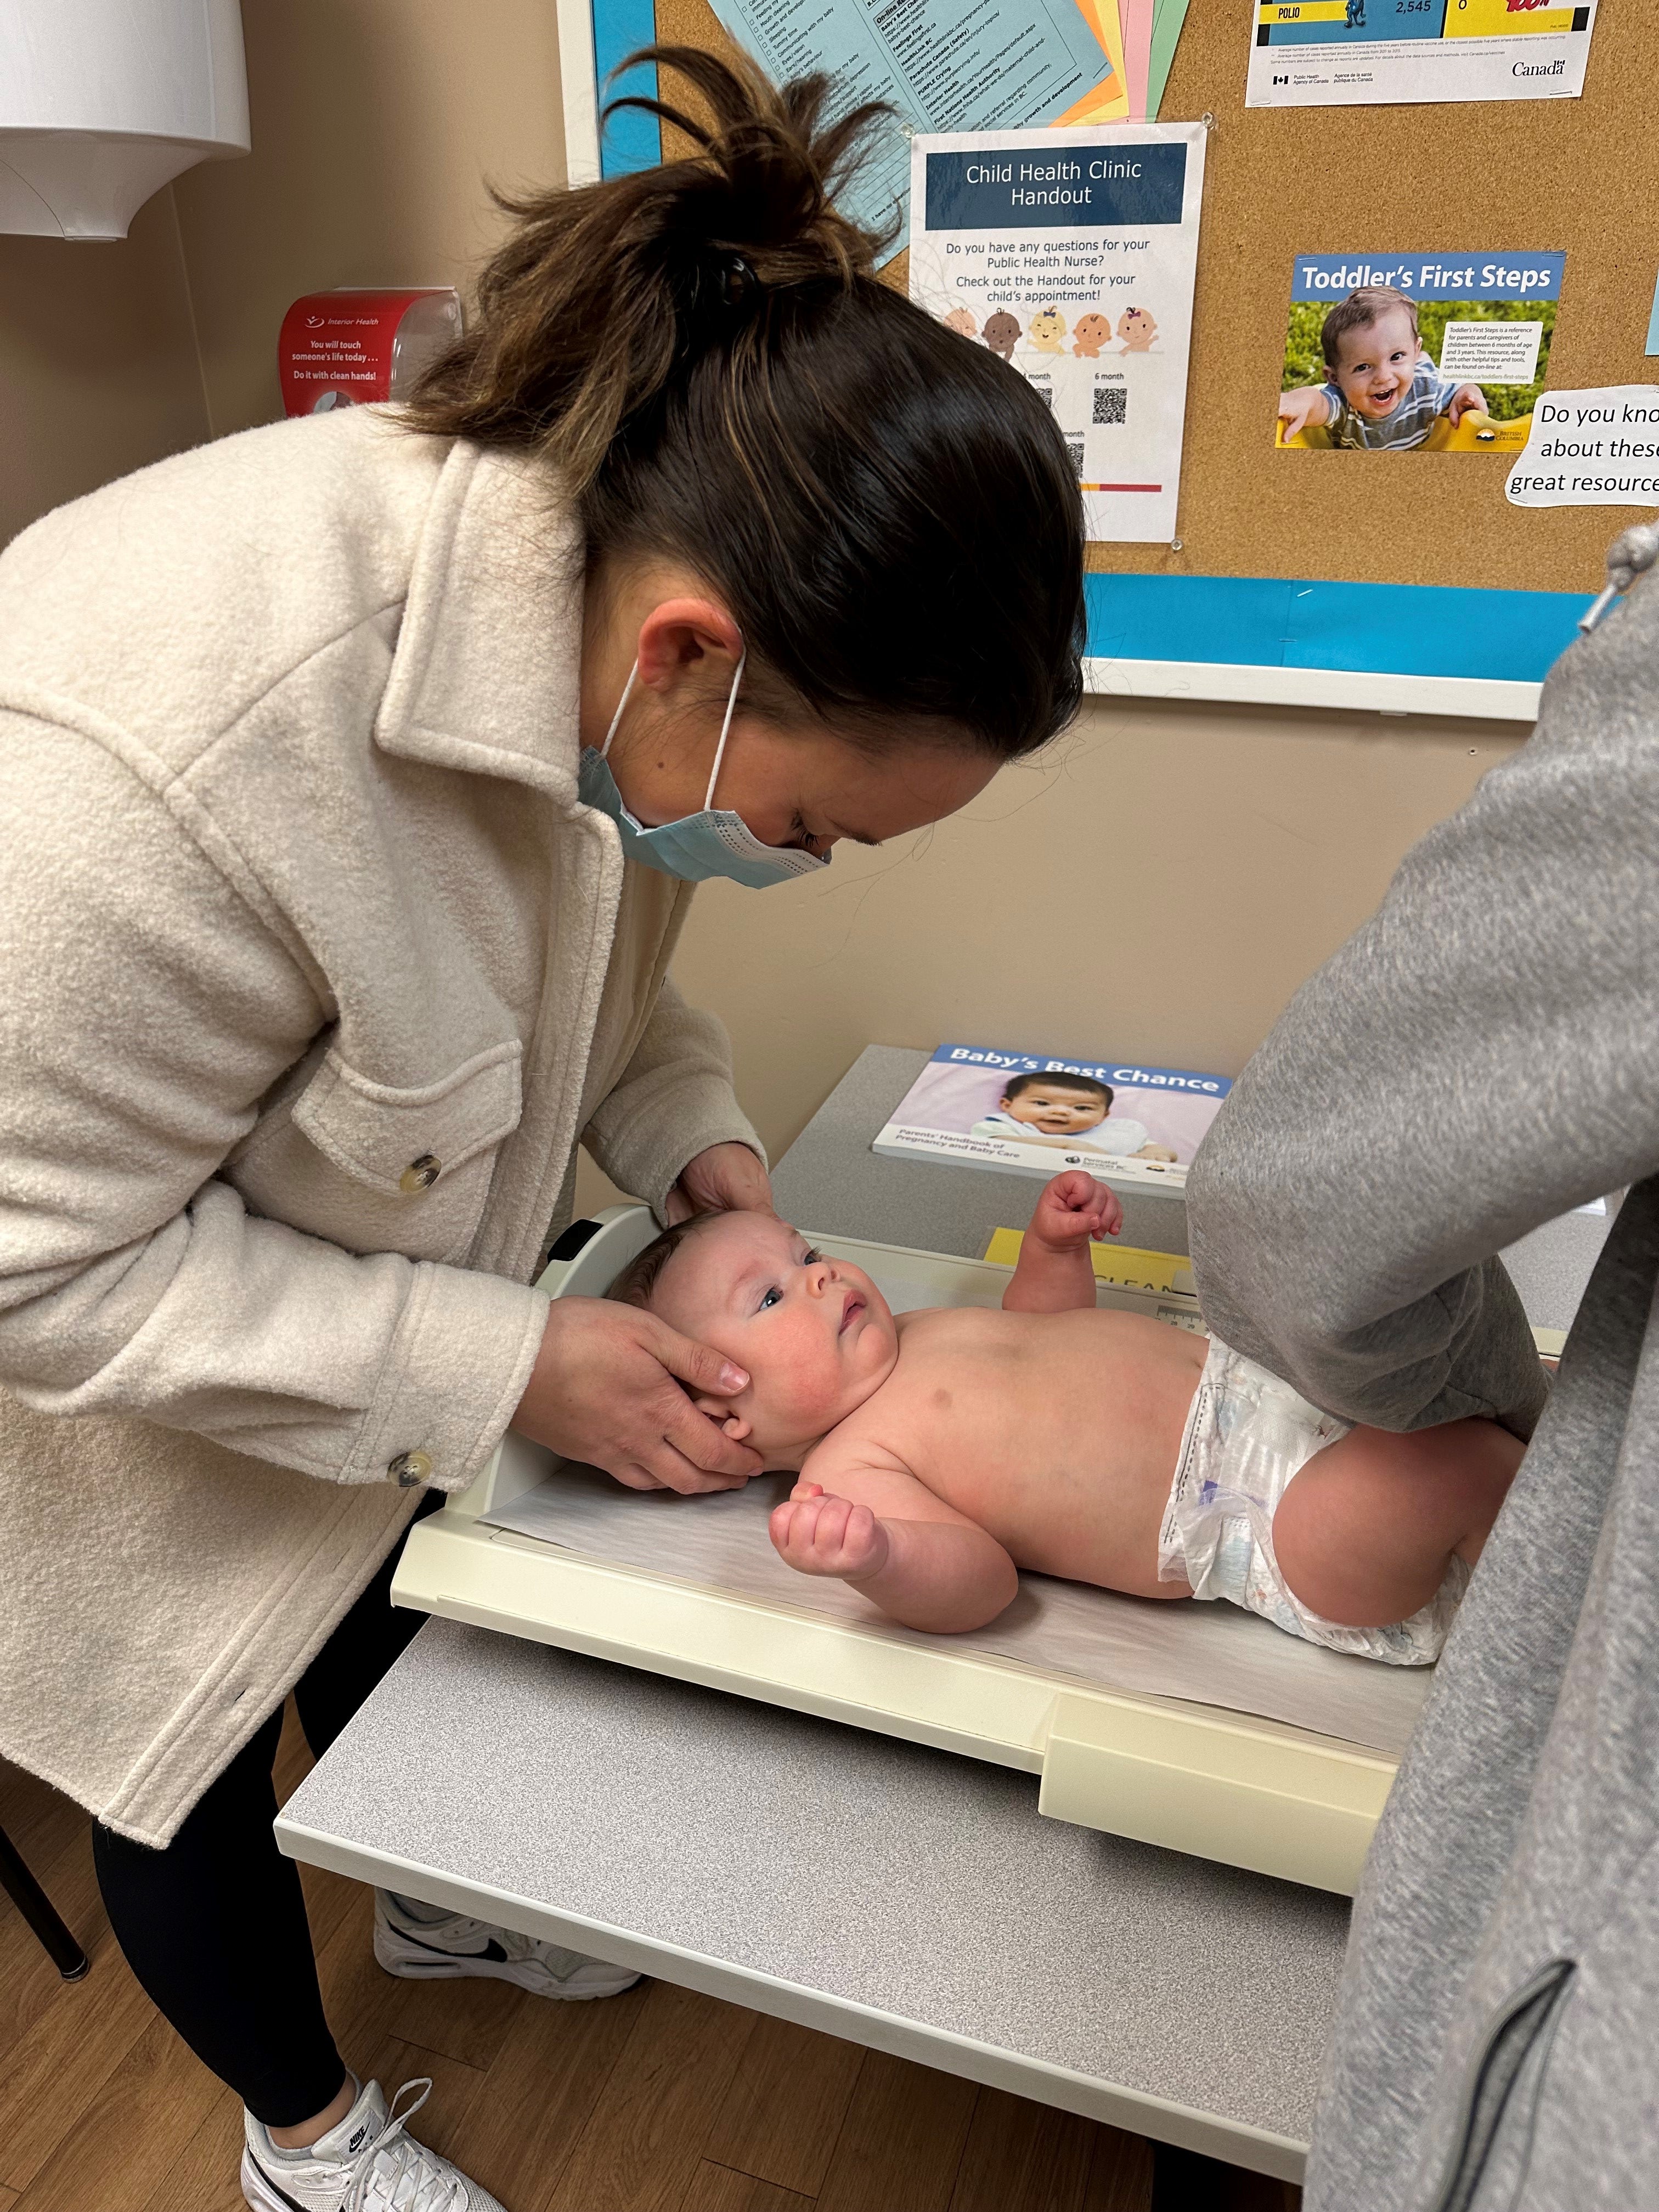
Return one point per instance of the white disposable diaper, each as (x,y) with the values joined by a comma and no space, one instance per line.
(1246,1434)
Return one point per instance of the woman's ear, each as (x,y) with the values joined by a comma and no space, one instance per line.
(679,634)
(720,1409)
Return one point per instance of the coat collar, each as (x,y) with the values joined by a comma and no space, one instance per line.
(486,674)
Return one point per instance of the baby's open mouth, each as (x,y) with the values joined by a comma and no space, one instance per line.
(850,1312)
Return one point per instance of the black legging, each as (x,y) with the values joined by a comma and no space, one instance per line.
(215,1926)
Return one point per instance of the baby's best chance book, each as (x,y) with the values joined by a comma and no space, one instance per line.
(1134,1127)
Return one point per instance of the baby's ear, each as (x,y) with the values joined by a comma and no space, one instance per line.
(720,1409)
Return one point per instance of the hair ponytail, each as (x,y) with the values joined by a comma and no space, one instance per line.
(703,352)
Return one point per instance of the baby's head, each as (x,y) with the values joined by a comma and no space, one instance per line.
(1371,349)
(1058,1105)
(816,1335)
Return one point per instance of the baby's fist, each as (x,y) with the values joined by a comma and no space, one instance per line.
(818,1535)
(1074,1209)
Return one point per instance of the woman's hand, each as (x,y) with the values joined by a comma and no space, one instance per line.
(603,1389)
(725,1179)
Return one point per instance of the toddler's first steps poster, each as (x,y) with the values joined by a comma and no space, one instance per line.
(1072,253)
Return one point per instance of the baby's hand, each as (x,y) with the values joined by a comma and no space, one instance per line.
(1074,1209)
(1466,397)
(1306,405)
(823,1536)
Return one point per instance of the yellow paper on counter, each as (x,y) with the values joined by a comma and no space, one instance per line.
(1109,100)
(1126,1267)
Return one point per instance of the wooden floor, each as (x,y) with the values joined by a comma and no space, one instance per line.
(656,2101)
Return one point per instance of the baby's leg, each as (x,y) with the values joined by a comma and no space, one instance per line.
(1366,1530)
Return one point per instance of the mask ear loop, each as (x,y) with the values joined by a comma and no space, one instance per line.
(725,731)
(628,692)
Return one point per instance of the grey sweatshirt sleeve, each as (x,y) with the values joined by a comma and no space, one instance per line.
(1482,1055)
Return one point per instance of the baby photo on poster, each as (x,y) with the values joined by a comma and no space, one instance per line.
(1426,353)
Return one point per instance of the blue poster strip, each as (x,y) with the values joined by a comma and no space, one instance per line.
(630,141)
(1373,629)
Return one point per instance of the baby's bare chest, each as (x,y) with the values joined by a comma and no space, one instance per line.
(983,1400)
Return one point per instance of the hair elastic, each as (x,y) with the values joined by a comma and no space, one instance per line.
(737,280)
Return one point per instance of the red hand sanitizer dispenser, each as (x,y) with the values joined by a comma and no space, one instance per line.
(345,348)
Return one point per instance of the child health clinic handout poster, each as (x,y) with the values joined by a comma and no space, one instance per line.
(1366,53)
(1072,254)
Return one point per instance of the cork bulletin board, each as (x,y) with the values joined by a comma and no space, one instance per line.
(1579,177)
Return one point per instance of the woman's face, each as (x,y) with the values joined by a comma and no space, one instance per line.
(795,784)
(800,786)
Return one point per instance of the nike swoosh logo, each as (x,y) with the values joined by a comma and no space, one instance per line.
(492,1950)
(276,2187)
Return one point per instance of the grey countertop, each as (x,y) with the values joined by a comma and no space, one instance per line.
(692,1825)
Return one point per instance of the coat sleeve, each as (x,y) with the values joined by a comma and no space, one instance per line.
(144,1011)
(1480,1057)
(674,1099)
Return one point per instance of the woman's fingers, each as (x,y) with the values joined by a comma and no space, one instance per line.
(727,1178)
(698,1365)
(694,1448)
(603,1389)
(636,1478)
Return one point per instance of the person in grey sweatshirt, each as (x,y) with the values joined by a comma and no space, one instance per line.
(1482,1055)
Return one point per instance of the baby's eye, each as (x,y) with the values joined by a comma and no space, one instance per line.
(811,1258)
(770,1297)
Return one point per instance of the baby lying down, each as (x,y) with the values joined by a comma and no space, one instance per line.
(941,1452)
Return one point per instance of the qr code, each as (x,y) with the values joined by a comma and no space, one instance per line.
(1074,453)
(1045,393)
(1111,403)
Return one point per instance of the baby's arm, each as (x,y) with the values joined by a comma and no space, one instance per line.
(1307,407)
(1054,1274)
(916,1558)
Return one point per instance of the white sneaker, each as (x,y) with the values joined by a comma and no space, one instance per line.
(365,2164)
(443,1950)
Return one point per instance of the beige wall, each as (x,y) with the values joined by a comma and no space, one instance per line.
(1158,886)
(98,368)
(377,124)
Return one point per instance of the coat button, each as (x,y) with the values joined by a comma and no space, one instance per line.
(411,1469)
(420,1175)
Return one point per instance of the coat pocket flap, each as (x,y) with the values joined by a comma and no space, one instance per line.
(400,1142)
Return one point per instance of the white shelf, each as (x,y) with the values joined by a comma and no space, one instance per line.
(1487,699)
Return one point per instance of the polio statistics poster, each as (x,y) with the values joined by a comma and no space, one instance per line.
(1373,53)
(1072,254)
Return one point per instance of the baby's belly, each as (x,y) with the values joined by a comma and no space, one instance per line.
(1072,1473)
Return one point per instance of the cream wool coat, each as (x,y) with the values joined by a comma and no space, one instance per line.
(295,890)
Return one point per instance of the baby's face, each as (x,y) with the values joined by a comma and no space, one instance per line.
(1054,1110)
(1375,365)
(816,1335)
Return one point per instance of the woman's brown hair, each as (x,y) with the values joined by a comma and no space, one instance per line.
(704,352)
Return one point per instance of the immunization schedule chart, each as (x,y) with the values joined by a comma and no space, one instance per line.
(1355,53)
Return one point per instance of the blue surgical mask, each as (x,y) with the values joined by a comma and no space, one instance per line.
(714,842)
